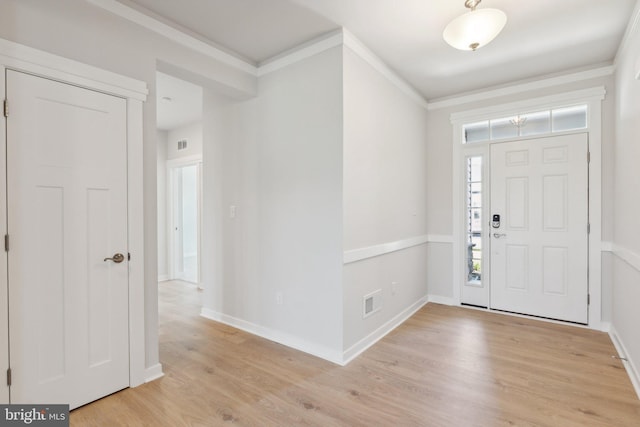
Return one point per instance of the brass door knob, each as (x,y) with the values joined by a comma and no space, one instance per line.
(117,258)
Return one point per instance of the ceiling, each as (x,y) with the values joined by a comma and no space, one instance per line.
(179,103)
(542,37)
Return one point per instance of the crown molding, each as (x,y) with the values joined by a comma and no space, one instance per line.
(301,52)
(174,34)
(631,30)
(378,64)
(334,39)
(307,50)
(523,87)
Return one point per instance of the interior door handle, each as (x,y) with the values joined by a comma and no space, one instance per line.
(117,258)
(499,235)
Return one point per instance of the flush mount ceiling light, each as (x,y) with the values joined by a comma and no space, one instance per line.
(476,28)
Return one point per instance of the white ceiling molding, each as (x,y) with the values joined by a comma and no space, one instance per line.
(302,52)
(379,65)
(523,87)
(632,28)
(173,34)
(299,53)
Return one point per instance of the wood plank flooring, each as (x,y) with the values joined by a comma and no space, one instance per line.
(446,366)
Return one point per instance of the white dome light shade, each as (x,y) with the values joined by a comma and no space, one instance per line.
(474,29)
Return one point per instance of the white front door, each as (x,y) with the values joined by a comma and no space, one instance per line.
(67,212)
(539,252)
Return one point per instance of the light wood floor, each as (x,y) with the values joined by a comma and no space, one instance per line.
(445,366)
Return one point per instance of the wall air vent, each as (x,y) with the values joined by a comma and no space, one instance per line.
(371,303)
(182,144)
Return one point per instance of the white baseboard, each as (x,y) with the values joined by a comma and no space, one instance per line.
(163,278)
(362,345)
(153,373)
(437,299)
(280,337)
(632,370)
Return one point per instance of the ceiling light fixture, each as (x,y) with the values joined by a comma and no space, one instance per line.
(476,28)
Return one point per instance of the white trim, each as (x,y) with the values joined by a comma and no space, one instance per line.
(174,34)
(378,64)
(627,255)
(630,31)
(522,87)
(552,101)
(184,161)
(606,246)
(439,238)
(334,39)
(437,299)
(360,254)
(135,209)
(375,336)
(33,61)
(283,338)
(632,370)
(299,53)
(163,278)
(153,373)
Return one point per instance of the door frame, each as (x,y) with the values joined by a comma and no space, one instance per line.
(593,98)
(43,64)
(171,166)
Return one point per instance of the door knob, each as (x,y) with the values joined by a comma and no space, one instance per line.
(499,235)
(117,258)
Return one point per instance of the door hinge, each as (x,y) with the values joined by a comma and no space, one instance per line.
(6,243)
(6,108)
(588,156)
(588,228)
(9,376)
(588,299)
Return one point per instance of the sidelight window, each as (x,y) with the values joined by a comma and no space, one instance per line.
(474,220)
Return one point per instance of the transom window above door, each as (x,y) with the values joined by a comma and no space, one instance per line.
(527,124)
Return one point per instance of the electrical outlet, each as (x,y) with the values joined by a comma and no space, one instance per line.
(232,211)
(279,298)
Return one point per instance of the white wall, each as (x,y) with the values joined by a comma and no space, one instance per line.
(278,159)
(163,251)
(385,196)
(626,232)
(440,186)
(83,32)
(192,133)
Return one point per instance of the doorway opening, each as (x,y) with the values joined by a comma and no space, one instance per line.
(185,202)
(179,178)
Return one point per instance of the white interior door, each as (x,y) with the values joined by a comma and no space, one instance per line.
(539,253)
(67,212)
(186,205)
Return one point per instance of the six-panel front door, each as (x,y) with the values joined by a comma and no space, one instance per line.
(539,252)
(67,213)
